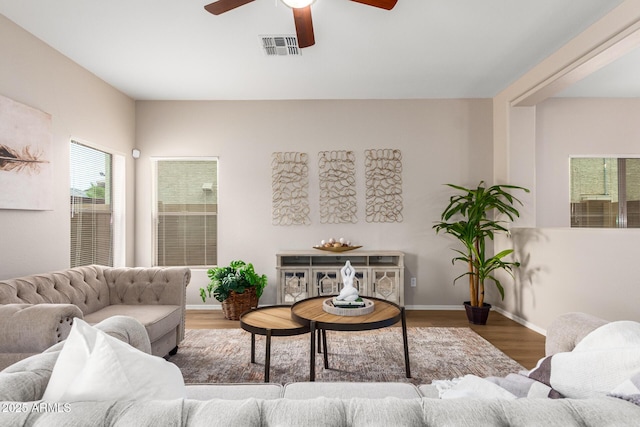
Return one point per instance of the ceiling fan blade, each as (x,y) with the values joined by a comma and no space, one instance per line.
(382,4)
(222,6)
(304,26)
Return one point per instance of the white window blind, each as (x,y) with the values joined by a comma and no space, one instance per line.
(186,208)
(91,207)
(605,192)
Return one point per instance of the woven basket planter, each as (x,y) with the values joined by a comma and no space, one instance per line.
(237,303)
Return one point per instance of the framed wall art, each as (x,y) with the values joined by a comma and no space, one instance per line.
(290,184)
(337,176)
(383,181)
(26,170)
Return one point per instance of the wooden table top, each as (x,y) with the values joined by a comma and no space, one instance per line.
(384,314)
(277,318)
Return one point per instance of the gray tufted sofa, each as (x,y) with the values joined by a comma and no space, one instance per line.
(308,404)
(40,308)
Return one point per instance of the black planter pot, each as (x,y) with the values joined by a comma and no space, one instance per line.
(477,315)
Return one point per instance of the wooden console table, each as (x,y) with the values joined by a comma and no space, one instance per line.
(311,273)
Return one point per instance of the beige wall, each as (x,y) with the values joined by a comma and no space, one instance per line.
(564,269)
(459,141)
(441,141)
(579,127)
(82,106)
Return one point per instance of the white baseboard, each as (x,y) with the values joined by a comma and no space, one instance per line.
(522,321)
(203,307)
(434,307)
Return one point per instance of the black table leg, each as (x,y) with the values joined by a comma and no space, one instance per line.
(253,348)
(406,343)
(267,357)
(312,351)
(326,350)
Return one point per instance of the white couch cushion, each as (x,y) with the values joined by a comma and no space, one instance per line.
(234,391)
(346,390)
(94,366)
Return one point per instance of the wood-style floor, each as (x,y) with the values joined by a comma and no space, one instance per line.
(518,342)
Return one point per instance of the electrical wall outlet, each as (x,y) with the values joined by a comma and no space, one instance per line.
(413,282)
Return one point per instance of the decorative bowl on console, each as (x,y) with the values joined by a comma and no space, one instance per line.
(332,245)
(340,249)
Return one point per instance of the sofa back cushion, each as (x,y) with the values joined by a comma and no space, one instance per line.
(148,286)
(84,287)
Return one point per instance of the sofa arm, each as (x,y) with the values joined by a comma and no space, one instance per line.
(147,286)
(127,329)
(32,328)
(568,329)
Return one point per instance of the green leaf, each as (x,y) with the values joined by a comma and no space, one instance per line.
(238,276)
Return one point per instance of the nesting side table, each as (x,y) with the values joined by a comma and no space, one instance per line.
(270,321)
(309,312)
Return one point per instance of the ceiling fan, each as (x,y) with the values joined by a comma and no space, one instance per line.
(301,14)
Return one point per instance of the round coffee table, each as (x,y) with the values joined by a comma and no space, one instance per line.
(309,312)
(270,321)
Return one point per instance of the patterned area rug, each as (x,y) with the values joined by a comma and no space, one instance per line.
(223,356)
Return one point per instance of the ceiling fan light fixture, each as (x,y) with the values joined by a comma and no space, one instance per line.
(297,4)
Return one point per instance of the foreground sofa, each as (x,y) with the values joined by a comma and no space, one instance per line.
(41,308)
(302,404)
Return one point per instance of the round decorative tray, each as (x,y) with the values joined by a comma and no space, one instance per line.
(327,305)
(338,249)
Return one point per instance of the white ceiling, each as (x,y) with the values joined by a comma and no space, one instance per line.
(175,50)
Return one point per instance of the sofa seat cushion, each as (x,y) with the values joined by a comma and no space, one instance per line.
(234,391)
(157,319)
(318,412)
(592,412)
(177,412)
(347,390)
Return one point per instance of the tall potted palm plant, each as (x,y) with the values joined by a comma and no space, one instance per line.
(472,217)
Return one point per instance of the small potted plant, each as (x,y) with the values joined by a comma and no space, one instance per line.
(467,218)
(238,287)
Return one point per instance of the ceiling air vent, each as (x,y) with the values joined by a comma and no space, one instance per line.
(280,45)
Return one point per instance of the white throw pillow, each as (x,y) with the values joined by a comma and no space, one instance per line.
(95,366)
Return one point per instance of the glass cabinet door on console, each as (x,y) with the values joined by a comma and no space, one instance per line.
(294,286)
(386,284)
(329,282)
(303,274)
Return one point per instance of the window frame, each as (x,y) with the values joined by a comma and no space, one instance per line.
(117,196)
(155,215)
(622,211)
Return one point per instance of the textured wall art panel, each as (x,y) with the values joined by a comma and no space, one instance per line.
(26,170)
(337,173)
(290,183)
(383,183)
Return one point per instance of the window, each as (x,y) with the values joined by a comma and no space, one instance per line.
(91,206)
(605,192)
(185,212)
